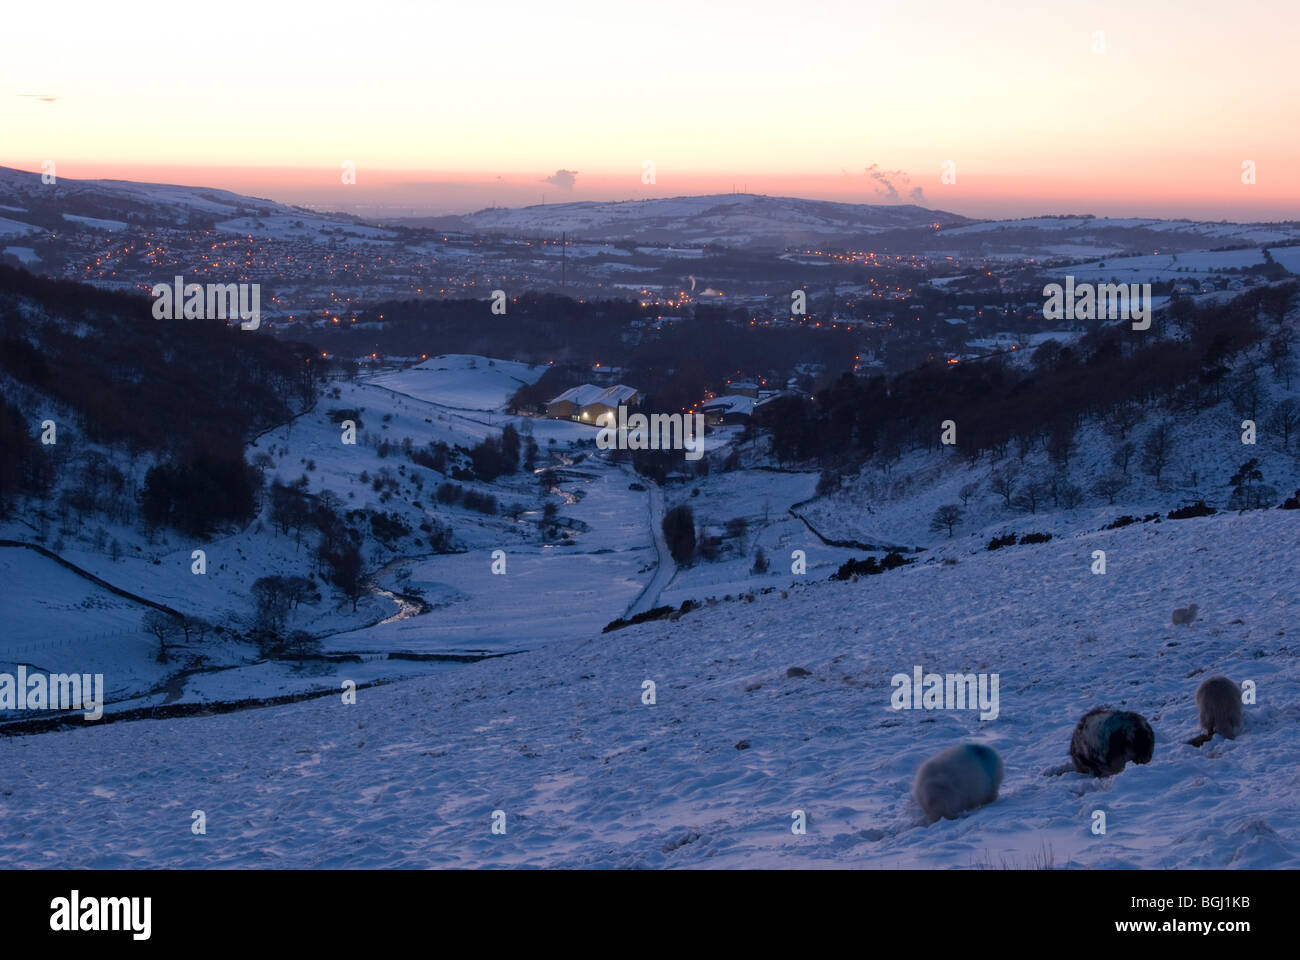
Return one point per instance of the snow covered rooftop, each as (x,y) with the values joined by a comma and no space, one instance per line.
(731,403)
(619,393)
(589,393)
(580,395)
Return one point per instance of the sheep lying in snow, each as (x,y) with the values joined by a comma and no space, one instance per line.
(1106,740)
(1184,615)
(960,778)
(1218,701)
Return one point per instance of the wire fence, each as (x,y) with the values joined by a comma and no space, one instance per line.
(16,651)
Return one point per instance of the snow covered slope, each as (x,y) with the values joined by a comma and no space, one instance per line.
(1071,238)
(462,382)
(587,775)
(105,205)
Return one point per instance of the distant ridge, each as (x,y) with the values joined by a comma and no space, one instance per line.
(732,219)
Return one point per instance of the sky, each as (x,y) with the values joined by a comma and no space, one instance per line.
(1140,107)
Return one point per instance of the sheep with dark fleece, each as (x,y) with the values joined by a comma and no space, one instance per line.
(1104,741)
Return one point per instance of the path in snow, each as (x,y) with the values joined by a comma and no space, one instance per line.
(665,567)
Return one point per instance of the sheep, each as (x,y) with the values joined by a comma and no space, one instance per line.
(1104,741)
(960,778)
(1218,701)
(1185,615)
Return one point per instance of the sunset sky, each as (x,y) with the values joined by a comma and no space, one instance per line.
(450,107)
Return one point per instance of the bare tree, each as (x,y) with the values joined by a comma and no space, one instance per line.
(347,567)
(1061,443)
(1280,356)
(301,645)
(1110,485)
(163,626)
(1158,448)
(1004,481)
(298,589)
(1069,495)
(948,515)
(1123,418)
(1248,392)
(1032,494)
(967,491)
(1286,417)
(271,596)
(1123,455)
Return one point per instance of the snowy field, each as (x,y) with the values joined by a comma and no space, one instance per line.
(1181,267)
(548,592)
(67,623)
(588,775)
(462,381)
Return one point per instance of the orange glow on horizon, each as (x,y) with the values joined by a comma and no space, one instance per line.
(1205,187)
(857,101)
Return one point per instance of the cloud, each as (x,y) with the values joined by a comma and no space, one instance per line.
(564,179)
(43,97)
(888,182)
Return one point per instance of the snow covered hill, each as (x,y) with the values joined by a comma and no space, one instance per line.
(1217,232)
(731,219)
(709,775)
(749,220)
(107,205)
(1219,244)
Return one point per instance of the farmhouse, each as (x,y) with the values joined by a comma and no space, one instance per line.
(587,402)
(569,404)
(731,409)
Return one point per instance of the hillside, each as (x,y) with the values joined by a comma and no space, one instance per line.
(589,776)
(734,220)
(29,205)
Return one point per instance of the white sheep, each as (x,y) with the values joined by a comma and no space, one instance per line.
(1218,700)
(960,778)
